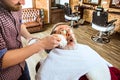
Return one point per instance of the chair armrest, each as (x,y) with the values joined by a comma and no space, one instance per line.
(39,20)
(76,13)
(112,21)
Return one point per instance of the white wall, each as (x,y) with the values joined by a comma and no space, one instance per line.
(64,1)
(28,4)
(94,1)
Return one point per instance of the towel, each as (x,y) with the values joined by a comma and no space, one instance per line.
(63,41)
(72,64)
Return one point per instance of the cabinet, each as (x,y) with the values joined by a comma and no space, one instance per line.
(52,13)
(57,15)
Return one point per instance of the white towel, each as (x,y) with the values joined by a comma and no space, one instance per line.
(63,41)
(70,64)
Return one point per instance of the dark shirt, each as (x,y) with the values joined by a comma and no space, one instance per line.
(10,39)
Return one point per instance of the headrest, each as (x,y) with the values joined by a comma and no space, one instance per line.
(66,4)
(99,8)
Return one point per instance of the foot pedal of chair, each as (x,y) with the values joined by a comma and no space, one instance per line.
(100,40)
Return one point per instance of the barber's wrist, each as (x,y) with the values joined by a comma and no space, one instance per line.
(32,40)
(36,45)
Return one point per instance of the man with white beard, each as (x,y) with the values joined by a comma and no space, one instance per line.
(71,60)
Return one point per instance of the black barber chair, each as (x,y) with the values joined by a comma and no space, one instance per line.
(69,16)
(100,23)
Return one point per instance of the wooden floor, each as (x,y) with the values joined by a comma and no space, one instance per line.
(109,51)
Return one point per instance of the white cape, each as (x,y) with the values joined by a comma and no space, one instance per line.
(69,64)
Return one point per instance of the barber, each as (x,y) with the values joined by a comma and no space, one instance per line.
(12,53)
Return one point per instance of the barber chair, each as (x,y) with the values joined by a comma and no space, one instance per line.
(100,23)
(69,16)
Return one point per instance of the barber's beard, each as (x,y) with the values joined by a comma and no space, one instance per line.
(14,7)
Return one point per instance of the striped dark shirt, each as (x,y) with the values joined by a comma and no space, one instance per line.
(10,39)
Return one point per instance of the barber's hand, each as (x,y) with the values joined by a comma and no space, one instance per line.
(50,42)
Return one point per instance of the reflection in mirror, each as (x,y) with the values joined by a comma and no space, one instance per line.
(115,4)
(58,3)
(61,2)
(92,2)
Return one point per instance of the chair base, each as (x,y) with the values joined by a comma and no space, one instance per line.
(100,39)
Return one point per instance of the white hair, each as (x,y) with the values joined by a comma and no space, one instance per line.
(56,25)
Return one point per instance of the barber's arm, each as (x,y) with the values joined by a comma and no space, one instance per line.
(12,57)
(25,33)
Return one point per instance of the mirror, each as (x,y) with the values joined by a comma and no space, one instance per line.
(92,2)
(58,3)
(114,4)
(61,2)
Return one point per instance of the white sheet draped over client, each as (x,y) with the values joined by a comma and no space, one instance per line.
(73,60)
(72,64)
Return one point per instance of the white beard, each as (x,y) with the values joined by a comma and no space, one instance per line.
(63,43)
(70,47)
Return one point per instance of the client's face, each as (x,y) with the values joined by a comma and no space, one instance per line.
(67,32)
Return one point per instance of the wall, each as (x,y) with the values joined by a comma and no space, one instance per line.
(113,16)
(45,5)
(73,3)
(28,4)
(106,6)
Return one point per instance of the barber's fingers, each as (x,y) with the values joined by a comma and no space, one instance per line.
(50,42)
(55,40)
(56,37)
